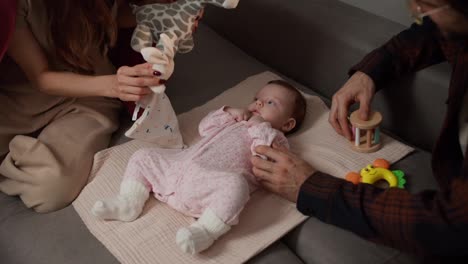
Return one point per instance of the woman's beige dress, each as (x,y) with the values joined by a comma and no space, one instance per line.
(47,142)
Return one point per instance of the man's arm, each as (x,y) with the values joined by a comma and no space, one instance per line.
(429,223)
(411,50)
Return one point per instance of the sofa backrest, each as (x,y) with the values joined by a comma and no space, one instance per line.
(315,42)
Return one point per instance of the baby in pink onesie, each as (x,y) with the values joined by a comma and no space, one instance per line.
(212,180)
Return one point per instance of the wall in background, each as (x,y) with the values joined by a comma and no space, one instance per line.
(395,10)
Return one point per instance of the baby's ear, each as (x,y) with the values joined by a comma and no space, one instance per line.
(289,125)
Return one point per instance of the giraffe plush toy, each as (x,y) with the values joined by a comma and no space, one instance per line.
(170,27)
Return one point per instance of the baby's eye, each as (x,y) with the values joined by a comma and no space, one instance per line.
(270,102)
(255,99)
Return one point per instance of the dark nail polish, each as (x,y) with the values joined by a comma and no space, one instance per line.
(156,73)
(162,81)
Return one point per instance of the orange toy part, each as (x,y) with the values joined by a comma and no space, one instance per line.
(381,163)
(353,177)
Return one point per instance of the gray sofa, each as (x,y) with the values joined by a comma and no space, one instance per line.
(310,42)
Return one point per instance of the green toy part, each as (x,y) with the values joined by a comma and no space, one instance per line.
(401,178)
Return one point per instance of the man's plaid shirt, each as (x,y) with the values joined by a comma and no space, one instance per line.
(431,223)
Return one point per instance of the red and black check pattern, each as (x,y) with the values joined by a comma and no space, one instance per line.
(431,223)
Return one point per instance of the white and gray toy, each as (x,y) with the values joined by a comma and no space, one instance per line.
(170,27)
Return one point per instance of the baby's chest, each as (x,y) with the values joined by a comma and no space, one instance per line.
(227,150)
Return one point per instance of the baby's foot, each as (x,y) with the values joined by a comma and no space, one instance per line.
(201,234)
(193,239)
(119,208)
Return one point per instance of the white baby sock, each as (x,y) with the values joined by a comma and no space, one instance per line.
(127,206)
(201,234)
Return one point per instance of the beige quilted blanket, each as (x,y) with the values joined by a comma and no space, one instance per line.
(151,238)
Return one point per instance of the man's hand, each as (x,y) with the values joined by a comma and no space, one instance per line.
(239,114)
(283,173)
(360,88)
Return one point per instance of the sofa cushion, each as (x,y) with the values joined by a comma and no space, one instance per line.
(316,42)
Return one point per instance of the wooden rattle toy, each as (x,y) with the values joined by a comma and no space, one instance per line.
(366,133)
(379,170)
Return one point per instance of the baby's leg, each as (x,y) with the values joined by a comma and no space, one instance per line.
(127,206)
(134,191)
(223,211)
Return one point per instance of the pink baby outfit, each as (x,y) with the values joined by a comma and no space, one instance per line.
(215,173)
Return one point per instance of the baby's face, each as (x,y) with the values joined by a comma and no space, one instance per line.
(273,103)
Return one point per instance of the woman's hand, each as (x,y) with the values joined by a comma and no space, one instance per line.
(132,83)
(283,173)
(239,114)
(360,88)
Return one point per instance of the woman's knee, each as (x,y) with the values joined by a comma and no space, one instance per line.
(54,193)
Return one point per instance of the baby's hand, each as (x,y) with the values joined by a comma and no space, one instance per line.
(255,120)
(238,113)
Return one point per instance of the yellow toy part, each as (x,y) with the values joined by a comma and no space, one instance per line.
(371,175)
(378,171)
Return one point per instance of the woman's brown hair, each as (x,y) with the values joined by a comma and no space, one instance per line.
(79,26)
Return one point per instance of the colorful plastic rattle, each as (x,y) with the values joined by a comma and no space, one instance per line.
(379,170)
(366,133)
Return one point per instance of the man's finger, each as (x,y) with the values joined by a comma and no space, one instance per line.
(262,164)
(343,120)
(269,186)
(333,119)
(364,109)
(262,175)
(281,148)
(270,153)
